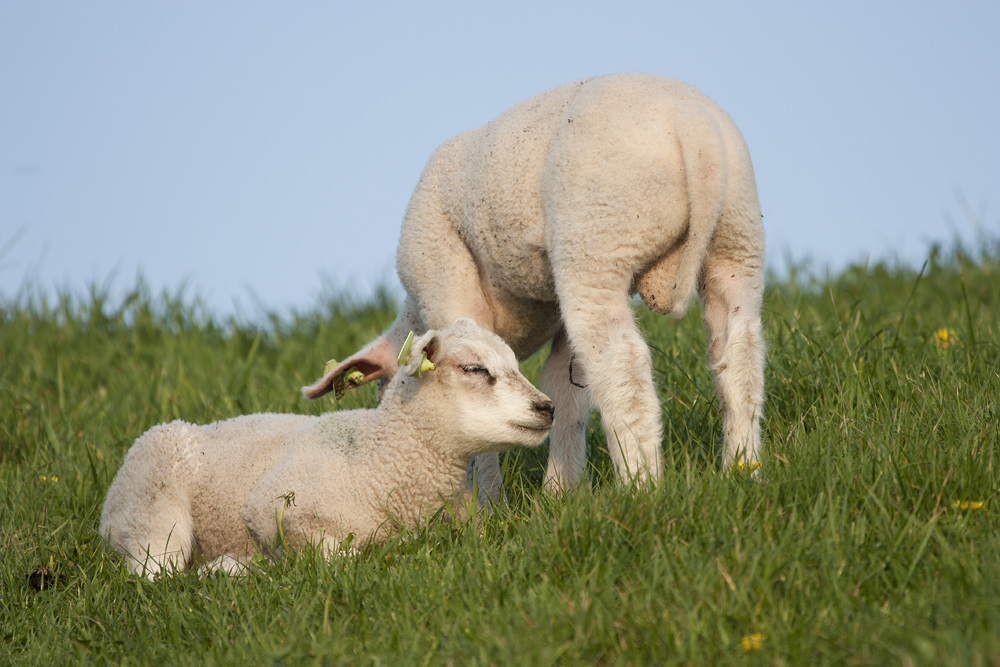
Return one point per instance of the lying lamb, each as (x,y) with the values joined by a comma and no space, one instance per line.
(543,223)
(219,493)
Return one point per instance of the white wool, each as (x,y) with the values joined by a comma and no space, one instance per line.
(217,494)
(541,224)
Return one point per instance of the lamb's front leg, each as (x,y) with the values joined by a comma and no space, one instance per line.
(566,386)
(442,295)
(231,565)
(486,478)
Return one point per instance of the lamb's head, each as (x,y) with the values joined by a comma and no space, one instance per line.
(476,389)
(465,382)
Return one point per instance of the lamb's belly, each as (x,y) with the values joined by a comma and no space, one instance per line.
(524,323)
(516,279)
(521,271)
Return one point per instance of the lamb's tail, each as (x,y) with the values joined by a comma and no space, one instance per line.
(670,282)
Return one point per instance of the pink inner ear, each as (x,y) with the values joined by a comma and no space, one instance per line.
(431,349)
(368,369)
(375,361)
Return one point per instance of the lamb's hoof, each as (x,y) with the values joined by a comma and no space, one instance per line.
(228,564)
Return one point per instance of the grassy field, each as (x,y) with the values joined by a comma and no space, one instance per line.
(871,536)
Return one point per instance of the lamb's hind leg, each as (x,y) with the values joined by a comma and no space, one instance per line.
(731,296)
(616,363)
(566,387)
(151,541)
(146,517)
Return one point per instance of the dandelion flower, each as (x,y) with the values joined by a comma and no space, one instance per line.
(945,338)
(753,465)
(42,477)
(968,504)
(753,642)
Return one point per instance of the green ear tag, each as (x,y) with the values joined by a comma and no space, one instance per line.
(338,381)
(344,380)
(426,366)
(405,351)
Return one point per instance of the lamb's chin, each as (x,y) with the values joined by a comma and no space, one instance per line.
(531,436)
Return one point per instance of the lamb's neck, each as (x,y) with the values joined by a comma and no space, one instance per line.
(411,476)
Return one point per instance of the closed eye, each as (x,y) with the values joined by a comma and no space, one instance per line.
(479,370)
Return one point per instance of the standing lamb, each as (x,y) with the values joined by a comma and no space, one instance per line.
(221,492)
(543,223)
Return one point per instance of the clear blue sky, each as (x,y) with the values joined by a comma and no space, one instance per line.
(270,148)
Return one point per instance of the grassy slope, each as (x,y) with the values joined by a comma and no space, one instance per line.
(849,549)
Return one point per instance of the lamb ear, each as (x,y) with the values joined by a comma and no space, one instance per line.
(373,362)
(424,352)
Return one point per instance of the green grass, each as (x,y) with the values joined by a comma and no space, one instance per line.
(848,550)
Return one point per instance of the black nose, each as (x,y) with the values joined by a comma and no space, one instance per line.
(546,408)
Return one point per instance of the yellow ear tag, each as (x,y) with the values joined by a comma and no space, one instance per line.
(344,380)
(425,366)
(405,351)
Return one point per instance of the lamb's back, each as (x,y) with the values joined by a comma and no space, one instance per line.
(498,180)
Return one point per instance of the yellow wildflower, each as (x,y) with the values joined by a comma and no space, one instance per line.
(753,642)
(753,465)
(42,477)
(945,338)
(967,504)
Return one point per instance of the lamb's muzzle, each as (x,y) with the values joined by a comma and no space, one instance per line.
(545,413)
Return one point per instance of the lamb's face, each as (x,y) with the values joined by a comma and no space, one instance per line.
(480,393)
